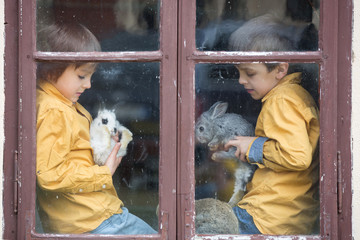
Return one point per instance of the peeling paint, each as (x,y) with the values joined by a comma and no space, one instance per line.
(20,104)
(247,237)
(179,98)
(21,18)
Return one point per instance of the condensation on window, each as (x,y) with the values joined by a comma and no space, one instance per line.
(217,20)
(120,25)
(217,176)
(131,91)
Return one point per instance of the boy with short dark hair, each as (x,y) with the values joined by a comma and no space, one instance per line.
(74,195)
(282,195)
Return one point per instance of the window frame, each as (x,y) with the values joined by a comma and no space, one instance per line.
(334,56)
(26,143)
(335,156)
(10,119)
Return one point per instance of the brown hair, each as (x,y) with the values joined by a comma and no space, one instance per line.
(265,33)
(63,37)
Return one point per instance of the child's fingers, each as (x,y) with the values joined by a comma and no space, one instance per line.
(242,157)
(228,145)
(115,149)
(112,161)
(232,143)
(116,137)
(118,161)
(238,152)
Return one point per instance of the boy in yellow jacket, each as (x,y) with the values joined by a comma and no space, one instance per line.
(282,197)
(74,194)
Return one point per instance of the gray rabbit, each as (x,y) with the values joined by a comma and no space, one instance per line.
(215,128)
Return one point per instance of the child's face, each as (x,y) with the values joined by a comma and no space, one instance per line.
(73,82)
(256,79)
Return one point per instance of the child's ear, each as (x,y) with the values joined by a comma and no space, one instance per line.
(282,70)
(51,78)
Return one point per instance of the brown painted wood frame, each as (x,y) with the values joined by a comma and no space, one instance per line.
(11,118)
(334,57)
(23,17)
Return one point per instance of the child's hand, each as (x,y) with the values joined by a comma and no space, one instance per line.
(242,144)
(112,161)
(116,138)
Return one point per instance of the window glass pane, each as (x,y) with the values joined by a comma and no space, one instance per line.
(132,89)
(295,21)
(119,25)
(131,92)
(231,102)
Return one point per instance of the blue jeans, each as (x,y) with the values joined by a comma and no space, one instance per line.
(246,222)
(124,223)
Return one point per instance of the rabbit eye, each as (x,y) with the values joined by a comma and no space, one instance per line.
(201,129)
(104,121)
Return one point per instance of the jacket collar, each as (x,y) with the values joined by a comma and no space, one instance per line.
(51,90)
(293,78)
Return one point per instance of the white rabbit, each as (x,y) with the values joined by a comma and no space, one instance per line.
(215,128)
(102,129)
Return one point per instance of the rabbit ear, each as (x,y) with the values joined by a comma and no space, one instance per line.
(117,106)
(101,107)
(101,101)
(218,109)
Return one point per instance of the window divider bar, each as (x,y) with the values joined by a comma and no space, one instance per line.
(100,56)
(225,56)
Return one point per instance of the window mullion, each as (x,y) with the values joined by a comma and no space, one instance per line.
(100,56)
(328,110)
(212,56)
(27,119)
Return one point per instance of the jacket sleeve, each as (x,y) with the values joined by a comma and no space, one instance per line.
(55,172)
(287,146)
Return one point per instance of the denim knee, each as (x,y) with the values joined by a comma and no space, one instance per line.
(124,223)
(246,221)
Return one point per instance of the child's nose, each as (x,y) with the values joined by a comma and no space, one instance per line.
(242,80)
(87,83)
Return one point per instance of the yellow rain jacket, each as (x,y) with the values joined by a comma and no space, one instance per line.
(282,197)
(74,194)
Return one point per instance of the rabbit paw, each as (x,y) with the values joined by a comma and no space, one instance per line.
(220,156)
(213,146)
(126,137)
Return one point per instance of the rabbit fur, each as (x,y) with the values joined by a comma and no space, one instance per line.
(102,129)
(213,216)
(214,127)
